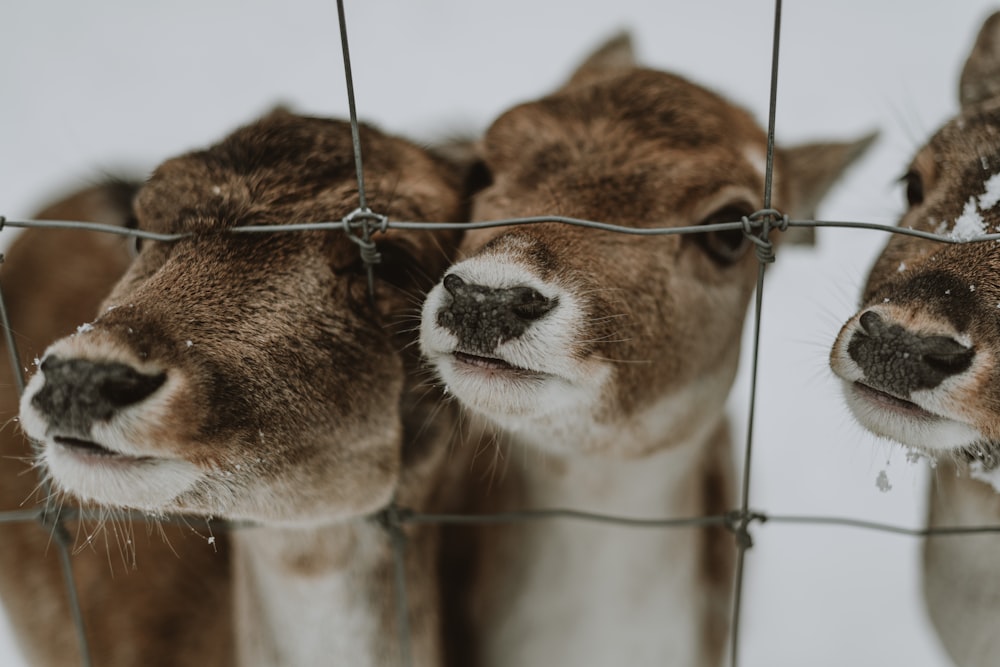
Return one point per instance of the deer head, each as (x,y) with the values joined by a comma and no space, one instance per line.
(242,375)
(919,361)
(554,330)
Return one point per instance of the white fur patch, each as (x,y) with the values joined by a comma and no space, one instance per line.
(330,617)
(146,485)
(592,595)
(939,434)
(947,428)
(139,479)
(560,381)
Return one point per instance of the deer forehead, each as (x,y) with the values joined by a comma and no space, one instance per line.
(646,105)
(292,169)
(625,121)
(960,160)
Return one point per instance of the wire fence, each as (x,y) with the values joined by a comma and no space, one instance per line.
(361,225)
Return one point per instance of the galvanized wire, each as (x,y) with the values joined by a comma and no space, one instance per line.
(756,222)
(743,538)
(352,107)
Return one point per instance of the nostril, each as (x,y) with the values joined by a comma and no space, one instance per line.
(871,322)
(453,283)
(946,355)
(529,304)
(77,392)
(123,385)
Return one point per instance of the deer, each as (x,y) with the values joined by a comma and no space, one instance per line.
(599,363)
(265,379)
(918,361)
(171,588)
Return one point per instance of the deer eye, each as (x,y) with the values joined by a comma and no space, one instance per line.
(729,246)
(914,188)
(134,242)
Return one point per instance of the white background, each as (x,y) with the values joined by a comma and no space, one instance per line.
(106,85)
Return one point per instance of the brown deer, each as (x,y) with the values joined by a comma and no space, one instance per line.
(251,376)
(604,360)
(919,361)
(169,585)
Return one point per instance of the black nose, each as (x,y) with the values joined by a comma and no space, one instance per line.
(899,361)
(78,392)
(484,317)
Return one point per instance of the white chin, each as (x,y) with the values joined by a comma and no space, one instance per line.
(507,397)
(145,484)
(930,433)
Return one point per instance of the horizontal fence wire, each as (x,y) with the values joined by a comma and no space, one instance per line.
(363,225)
(734,225)
(406,516)
(738,521)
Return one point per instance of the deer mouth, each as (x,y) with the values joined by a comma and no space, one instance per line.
(892,403)
(89,450)
(493,364)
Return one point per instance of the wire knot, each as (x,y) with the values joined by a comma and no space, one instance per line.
(757,228)
(365,221)
(738,523)
(392,518)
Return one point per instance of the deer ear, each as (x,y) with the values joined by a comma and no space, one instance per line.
(616,54)
(980,79)
(810,170)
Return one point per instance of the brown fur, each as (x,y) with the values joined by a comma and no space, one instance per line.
(167,585)
(946,295)
(290,395)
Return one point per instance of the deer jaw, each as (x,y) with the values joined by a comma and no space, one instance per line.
(516,380)
(152,455)
(548,385)
(935,413)
(245,376)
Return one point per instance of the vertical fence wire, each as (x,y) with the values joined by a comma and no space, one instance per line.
(352,107)
(49,515)
(15,359)
(397,538)
(743,538)
(72,592)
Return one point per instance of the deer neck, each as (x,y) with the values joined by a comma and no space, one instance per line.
(308,595)
(661,603)
(325,595)
(960,582)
